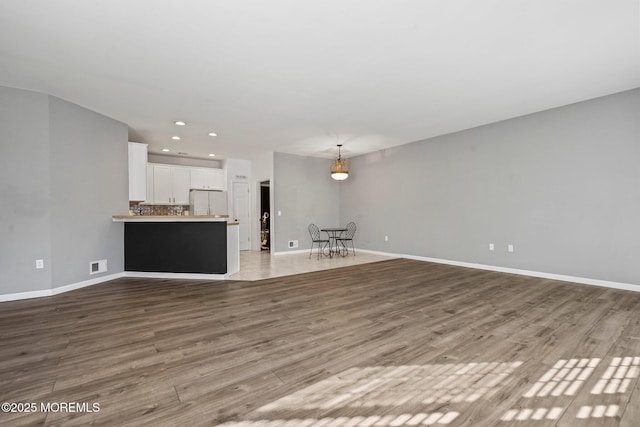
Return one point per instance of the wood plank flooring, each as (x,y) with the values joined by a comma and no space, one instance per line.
(392,343)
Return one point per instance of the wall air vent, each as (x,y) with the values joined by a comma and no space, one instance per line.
(96,267)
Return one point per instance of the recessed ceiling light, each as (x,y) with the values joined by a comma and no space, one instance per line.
(212,155)
(213,134)
(177,138)
(165,149)
(180,123)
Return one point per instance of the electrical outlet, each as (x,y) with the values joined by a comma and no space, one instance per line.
(39,263)
(386,238)
(293,244)
(510,248)
(492,247)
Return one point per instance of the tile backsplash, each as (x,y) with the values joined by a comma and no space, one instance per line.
(139,209)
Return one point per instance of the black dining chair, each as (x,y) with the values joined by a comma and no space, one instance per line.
(348,237)
(314,231)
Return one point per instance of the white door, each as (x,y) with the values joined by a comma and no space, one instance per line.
(241,212)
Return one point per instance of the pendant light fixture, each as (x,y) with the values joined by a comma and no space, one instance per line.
(339,168)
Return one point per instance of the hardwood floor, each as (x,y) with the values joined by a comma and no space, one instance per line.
(392,343)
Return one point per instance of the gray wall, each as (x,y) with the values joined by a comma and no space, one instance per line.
(89,184)
(63,173)
(562,186)
(25,194)
(305,193)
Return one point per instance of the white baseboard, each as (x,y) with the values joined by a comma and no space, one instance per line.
(195,276)
(581,280)
(85,283)
(66,288)
(25,295)
(55,291)
(299,251)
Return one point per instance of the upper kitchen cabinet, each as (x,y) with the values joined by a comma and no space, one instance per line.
(171,184)
(207,179)
(149,183)
(137,172)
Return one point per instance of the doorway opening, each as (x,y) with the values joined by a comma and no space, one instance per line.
(265,208)
(242,213)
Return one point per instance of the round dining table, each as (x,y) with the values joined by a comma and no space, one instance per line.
(334,234)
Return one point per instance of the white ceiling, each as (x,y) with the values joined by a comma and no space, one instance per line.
(302,76)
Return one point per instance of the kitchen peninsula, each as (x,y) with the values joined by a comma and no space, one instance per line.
(180,246)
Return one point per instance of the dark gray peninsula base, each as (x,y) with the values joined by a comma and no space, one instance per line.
(180,246)
(176,247)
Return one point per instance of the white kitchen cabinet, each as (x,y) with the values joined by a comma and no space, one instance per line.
(180,180)
(137,171)
(207,179)
(216,179)
(171,184)
(198,178)
(150,182)
(162,186)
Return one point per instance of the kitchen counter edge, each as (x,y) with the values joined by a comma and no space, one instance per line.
(170,218)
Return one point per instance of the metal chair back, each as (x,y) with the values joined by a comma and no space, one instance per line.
(351,230)
(348,237)
(314,231)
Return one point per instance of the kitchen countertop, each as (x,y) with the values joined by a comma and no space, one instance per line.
(169,218)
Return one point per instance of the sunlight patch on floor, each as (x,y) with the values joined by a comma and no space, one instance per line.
(618,376)
(566,377)
(435,418)
(399,385)
(532,414)
(598,411)
(414,395)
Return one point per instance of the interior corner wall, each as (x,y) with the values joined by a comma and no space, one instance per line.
(304,193)
(562,186)
(24,191)
(261,170)
(89,184)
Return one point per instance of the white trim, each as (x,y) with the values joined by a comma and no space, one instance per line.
(55,291)
(299,251)
(66,288)
(582,280)
(85,283)
(25,295)
(157,275)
